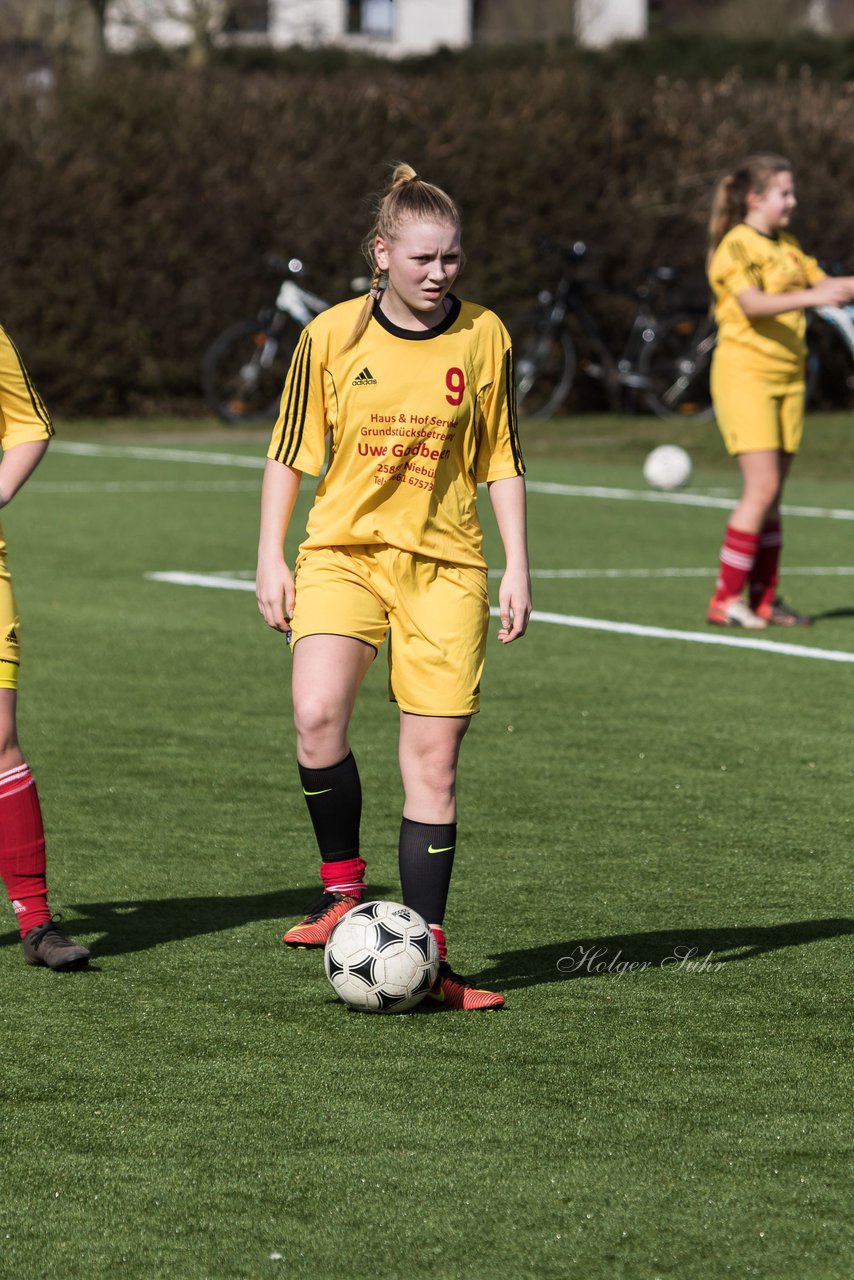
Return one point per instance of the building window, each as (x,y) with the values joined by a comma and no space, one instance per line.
(370,17)
(247,17)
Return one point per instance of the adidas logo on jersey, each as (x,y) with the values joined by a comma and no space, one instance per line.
(12,636)
(365,379)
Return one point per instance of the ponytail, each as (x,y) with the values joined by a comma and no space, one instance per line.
(408,198)
(729,205)
(364,316)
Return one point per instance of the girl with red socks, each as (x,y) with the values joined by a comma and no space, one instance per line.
(762,281)
(25,429)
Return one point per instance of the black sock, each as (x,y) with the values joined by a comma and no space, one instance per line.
(426,859)
(334,799)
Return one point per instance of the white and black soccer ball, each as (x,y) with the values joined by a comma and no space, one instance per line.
(381,957)
(668,467)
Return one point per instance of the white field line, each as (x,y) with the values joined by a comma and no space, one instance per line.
(674,499)
(227,582)
(816,571)
(689,637)
(143,486)
(153,453)
(244,579)
(223,581)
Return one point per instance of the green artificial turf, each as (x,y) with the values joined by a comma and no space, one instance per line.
(653,866)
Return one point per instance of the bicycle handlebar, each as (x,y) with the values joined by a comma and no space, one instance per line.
(573,253)
(578,251)
(283,266)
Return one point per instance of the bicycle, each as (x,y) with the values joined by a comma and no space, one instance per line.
(685,347)
(829,374)
(830,357)
(243,370)
(677,366)
(561,337)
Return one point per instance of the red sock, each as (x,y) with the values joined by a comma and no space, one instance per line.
(737,556)
(22,856)
(766,568)
(439,935)
(346,876)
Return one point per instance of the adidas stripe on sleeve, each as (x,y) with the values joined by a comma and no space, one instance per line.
(298,436)
(23,416)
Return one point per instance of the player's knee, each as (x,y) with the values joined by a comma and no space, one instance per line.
(762,496)
(10,751)
(317,720)
(422,797)
(8,736)
(437,777)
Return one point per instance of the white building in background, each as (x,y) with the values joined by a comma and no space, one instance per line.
(386,26)
(392,27)
(600,22)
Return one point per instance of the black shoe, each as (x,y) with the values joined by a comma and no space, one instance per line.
(780,614)
(46,944)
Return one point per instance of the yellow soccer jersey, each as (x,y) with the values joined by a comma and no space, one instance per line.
(415,419)
(23,416)
(744,259)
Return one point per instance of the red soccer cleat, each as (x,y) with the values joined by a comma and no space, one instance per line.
(450,991)
(320,919)
(734,612)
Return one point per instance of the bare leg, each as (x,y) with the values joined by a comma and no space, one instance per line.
(763,474)
(328,671)
(764,573)
(10,751)
(428,751)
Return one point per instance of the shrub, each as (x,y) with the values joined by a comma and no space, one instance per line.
(137,211)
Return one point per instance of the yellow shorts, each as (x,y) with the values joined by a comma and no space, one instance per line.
(756,413)
(435,615)
(10,630)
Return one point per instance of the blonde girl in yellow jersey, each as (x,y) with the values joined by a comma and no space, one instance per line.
(762,282)
(411,391)
(25,432)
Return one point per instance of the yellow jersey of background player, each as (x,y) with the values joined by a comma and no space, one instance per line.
(23,420)
(23,416)
(421,432)
(747,259)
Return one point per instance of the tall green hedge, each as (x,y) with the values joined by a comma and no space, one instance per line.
(136,212)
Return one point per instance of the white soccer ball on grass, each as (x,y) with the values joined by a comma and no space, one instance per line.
(382,957)
(668,467)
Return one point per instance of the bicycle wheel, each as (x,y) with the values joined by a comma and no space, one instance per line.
(544,362)
(830,358)
(675,368)
(243,370)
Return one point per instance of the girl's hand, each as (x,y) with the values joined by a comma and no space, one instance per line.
(274,588)
(514,604)
(833,291)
